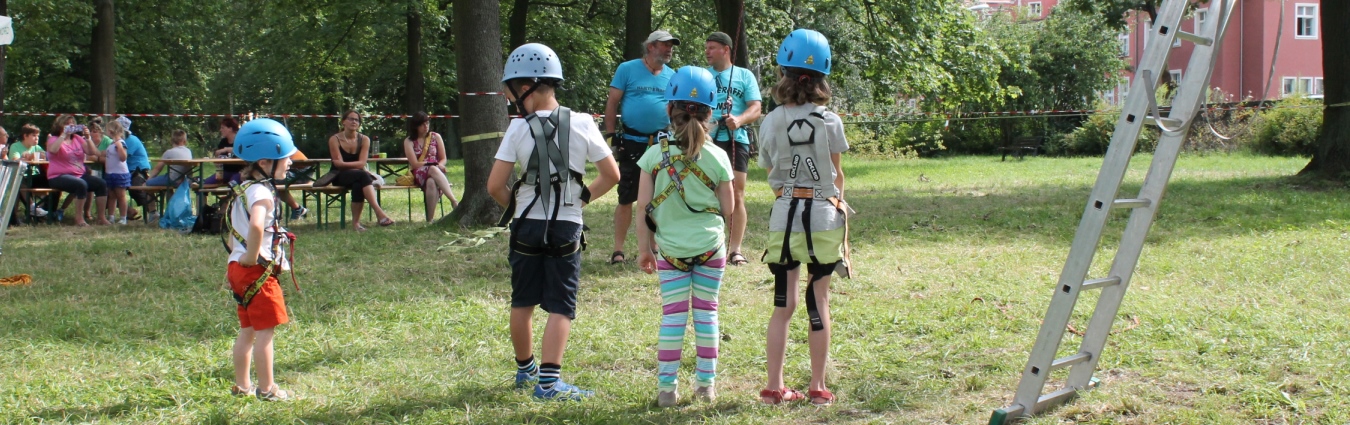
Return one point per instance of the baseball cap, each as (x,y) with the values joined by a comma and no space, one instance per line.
(721,37)
(662,35)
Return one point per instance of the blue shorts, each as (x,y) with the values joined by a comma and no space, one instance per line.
(117,180)
(548,282)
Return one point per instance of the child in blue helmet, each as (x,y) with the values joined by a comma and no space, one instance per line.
(256,242)
(684,198)
(552,144)
(800,146)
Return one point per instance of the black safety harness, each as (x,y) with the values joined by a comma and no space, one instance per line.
(676,185)
(279,237)
(558,126)
(804,198)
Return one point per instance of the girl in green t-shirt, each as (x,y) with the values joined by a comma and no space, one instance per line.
(684,196)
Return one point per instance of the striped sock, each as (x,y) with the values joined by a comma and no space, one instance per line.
(527,366)
(549,374)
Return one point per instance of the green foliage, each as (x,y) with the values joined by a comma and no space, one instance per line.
(1093,137)
(1291,127)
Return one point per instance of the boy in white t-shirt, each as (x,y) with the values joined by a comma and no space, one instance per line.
(257,245)
(545,252)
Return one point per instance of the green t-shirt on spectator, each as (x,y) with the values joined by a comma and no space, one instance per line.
(681,233)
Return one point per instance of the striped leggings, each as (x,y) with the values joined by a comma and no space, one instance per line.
(699,285)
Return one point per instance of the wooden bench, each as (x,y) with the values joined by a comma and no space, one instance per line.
(1023,145)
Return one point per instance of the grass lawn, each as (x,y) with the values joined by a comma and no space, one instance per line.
(1240,317)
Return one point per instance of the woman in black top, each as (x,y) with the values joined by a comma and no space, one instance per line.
(225,149)
(349,149)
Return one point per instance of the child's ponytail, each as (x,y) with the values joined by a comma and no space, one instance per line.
(690,122)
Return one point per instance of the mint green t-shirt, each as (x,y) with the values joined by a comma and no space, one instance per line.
(682,233)
(17,150)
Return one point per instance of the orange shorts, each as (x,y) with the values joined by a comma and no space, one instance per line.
(268,307)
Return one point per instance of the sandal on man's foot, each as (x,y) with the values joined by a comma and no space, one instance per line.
(821,398)
(737,259)
(780,396)
(386,222)
(617,257)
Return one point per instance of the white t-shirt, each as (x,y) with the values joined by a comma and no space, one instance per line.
(586,145)
(176,172)
(239,220)
(114,164)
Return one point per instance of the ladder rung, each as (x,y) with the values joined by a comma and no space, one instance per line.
(1100,283)
(1070,361)
(1131,203)
(1167,122)
(1199,40)
(1054,398)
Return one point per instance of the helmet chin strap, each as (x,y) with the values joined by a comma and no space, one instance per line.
(520,97)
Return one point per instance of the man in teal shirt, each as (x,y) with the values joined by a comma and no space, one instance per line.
(640,85)
(738,105)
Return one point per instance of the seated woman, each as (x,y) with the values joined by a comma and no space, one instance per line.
(349,150)
(28,149)
(426,157)
(226,173)
(66,172)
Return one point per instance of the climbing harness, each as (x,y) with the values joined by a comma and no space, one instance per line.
(279,237)
(677,177)
(558,126)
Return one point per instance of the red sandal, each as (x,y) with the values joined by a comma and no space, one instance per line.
(780,396)
(825,395)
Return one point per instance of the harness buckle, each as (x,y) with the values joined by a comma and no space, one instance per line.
(803,193)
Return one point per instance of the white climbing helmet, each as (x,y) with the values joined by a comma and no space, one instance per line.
(533,60)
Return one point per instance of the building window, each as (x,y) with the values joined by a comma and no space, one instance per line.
(1176,76)
(1124,40)
(1319,86)
(1288,86)
(1124,88)
(1305,21)
(1035,9)
(1200,16)
(1305,86)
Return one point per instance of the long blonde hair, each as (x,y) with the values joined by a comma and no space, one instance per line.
(690,122)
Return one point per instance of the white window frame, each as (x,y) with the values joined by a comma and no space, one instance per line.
(1035,8)
(1288,85)
(1319,86)
(1124,40)
(1310,17)
(1176,76)
(1306,85)
(1148,32)
(1200,16)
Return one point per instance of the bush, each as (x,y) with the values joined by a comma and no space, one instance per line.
(1094,136)
(1289,128)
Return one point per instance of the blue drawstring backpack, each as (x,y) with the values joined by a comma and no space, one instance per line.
(178,212)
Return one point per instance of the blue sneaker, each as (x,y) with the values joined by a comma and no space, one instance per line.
(299,213)
(525,381)
(562,391)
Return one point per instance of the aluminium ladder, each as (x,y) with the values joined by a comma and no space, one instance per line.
(1140,109)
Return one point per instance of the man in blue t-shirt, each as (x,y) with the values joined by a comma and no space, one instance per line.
(738,105)
(138,162)
(640,85)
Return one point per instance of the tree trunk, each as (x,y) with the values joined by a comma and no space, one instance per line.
(731,20)
(519,21)
(416,93)
(103,79)
(478,53)
(1332,159)
(638,25)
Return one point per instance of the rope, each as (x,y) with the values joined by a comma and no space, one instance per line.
(483,136)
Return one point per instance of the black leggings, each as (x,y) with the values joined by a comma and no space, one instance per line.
(356,180)
(79,187)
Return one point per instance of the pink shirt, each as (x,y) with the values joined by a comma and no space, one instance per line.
(69,160)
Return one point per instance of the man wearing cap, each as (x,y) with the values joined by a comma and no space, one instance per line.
(640,85)
(737,105)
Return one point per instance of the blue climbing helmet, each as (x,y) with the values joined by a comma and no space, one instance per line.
(533,60)
(263,138)
(692,84)
(806,49)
